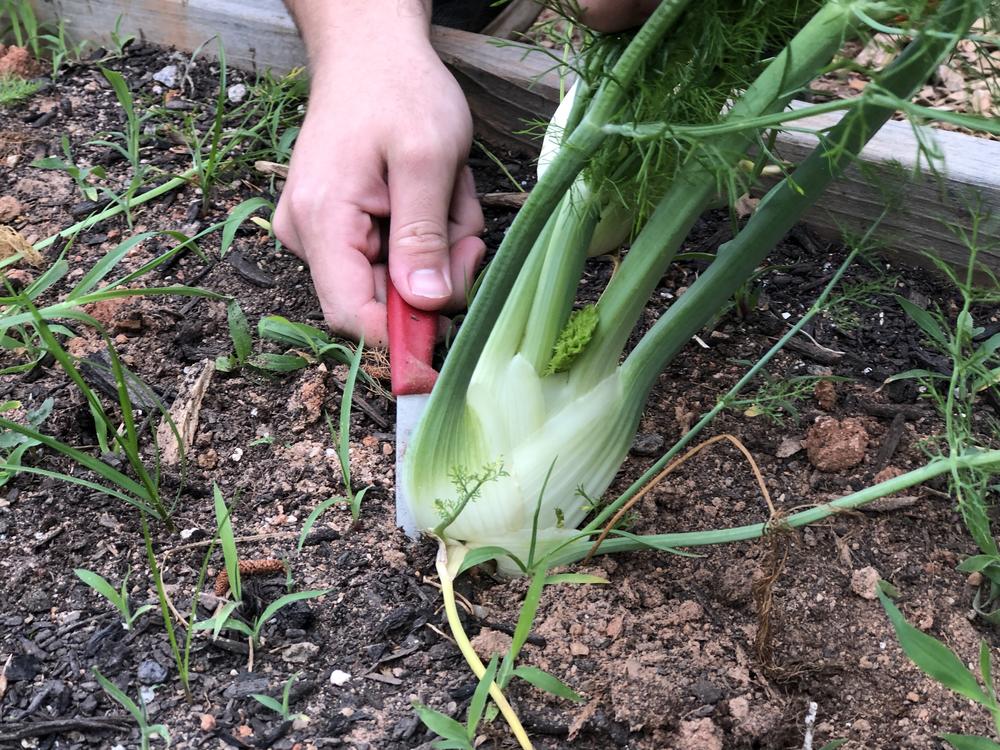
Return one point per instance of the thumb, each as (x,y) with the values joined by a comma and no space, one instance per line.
(419,197)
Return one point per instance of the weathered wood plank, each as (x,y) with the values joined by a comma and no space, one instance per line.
(509,89)
(257,34)
(930,207)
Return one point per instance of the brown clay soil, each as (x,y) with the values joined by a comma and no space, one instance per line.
(674,652)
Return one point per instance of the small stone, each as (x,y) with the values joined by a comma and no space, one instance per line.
(207,723)
(912,697)
(825,394)
(647,444)
(151,672)
(236,93)
(10,209)
(578,649)
(339,678)
(208,459)
(300,653)
(975,579)
(836,445)
(167,76)
(863,726)
(864,582)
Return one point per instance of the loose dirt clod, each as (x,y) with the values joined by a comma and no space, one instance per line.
(836,445)
(16,61)
(10,209)
(864,582)
(826,395)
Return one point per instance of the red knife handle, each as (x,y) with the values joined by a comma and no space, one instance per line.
(412,334)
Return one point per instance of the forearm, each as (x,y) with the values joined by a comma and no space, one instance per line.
(326,26)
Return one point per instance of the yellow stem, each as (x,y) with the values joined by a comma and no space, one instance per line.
(471,657)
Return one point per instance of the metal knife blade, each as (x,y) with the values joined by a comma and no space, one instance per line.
(412,334)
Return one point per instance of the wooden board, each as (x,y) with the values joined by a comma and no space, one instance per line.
(509,90)
(257,34)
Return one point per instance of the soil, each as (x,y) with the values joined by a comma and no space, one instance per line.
(692,653)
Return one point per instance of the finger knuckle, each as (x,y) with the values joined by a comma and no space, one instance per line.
(421,237)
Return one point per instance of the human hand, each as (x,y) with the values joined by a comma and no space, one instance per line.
(386,134)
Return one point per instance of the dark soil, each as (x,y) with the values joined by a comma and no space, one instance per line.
(669,654)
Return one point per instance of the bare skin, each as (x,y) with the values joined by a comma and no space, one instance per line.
(385,137)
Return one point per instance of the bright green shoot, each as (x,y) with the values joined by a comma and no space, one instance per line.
(18,23)
(455,736)
(942,664)
(81,175)
(226,618)
(146,730)
(130,145)
(281,707)
(227,540)
(13,445)
(342,440)
(117,598)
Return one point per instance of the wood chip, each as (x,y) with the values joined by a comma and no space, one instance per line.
(184,414)
(270,167)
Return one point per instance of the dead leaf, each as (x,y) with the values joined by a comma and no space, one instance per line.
(950,78)
(12,243)
(789,447)
(184,414)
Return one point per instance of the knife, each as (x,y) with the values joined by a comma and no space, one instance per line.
(412,334)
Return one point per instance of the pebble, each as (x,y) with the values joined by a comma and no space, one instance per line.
(647,444)
(300,653)
(339,678)
(167,76)
(151,672)
(236,93)
(975,579)
(207,722)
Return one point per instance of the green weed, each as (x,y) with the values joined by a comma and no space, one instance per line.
(117,598)
(14,90)
(281,707)
(942,664)
(13,445)
(973,372)
(342,440)
(146,730)
(81,175)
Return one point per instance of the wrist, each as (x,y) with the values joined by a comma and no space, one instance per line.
(334,30)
